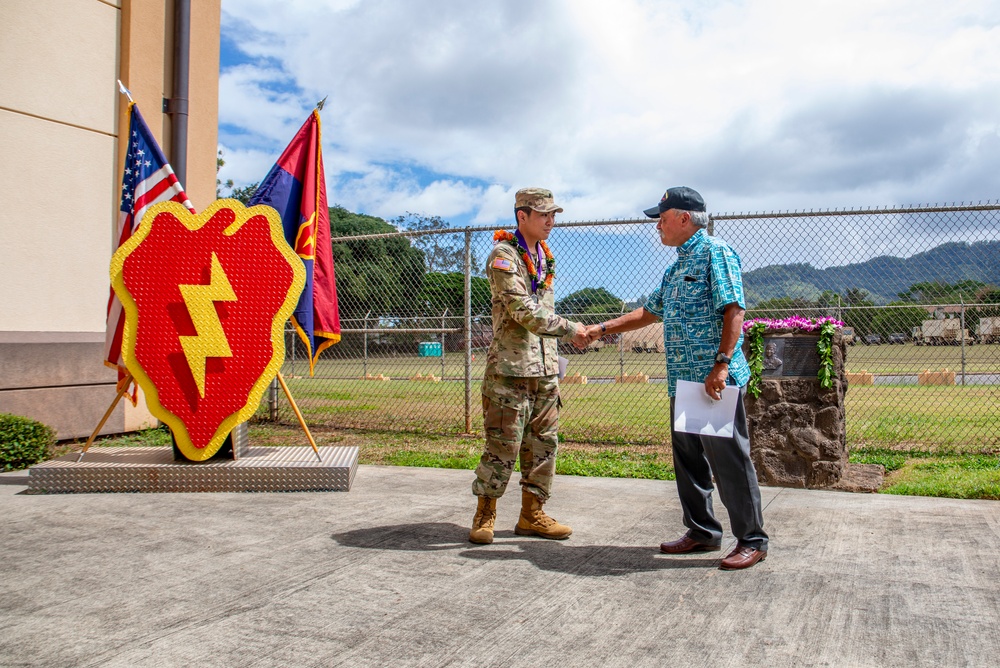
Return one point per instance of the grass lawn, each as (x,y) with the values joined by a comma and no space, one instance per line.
(947,474)
(929,417)
(935,441)
(966,473)
(610,362)
(911,359)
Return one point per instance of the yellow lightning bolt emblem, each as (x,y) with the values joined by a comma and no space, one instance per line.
(210,340)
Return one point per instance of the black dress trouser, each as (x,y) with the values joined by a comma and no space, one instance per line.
(696,457)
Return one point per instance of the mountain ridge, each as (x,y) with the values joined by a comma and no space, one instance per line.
(884,277)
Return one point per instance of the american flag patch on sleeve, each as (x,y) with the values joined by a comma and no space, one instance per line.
(501,263)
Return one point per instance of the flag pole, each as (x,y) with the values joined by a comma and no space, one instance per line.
(298,414)
(124,383)
(127,379)
(124,91)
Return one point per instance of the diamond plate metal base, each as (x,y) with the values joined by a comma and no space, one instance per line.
(259,469)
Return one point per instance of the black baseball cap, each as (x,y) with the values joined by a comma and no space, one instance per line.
(682,197)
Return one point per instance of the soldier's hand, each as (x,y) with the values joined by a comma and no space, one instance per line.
(581,339)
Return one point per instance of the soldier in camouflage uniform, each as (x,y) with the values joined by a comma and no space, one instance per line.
(521,384)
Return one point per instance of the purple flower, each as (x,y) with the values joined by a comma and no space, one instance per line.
(797,322)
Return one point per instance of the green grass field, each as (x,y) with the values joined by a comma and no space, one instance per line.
(909,359)
(933,441)
(610,362)
(956,418)
(945,473)
(602,363)
(932,417)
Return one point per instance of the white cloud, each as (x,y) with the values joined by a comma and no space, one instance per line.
(447,107)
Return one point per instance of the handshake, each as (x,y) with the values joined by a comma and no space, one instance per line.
(585,335)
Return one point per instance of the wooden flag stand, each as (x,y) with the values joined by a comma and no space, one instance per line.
(125,383)
(128,380)
(298,414)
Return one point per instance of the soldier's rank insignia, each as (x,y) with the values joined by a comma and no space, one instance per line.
(206,297)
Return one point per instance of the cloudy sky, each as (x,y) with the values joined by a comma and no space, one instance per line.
(446,107)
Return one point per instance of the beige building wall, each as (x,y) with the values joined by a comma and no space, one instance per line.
(60,174)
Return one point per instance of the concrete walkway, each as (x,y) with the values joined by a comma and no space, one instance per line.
(383,575)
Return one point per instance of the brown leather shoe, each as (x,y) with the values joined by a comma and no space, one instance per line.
(742,557)
(687,544)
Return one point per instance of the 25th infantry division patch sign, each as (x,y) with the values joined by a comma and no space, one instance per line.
(206,297)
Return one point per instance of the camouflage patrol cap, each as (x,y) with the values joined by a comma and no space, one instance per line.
(539,199)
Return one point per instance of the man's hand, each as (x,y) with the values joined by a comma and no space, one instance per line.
(732,326)
(581,339)
(715,382)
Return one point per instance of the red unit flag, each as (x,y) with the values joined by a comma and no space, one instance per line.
(296,187)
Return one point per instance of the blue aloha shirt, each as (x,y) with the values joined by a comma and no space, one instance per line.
(690,300)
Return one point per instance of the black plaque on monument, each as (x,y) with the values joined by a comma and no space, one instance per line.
(790,356)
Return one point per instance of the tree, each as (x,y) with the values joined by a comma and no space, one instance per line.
(447,291)
(858,297)
(989,294)
(596,301)
(219,163)
(637,302)
(381,275)
(442,252)
(246,193)
(859,315)
(968,291)
(782,307)
(935,292)
(888,320)
(828,299)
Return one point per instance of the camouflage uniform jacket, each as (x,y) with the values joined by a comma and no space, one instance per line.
(524,331)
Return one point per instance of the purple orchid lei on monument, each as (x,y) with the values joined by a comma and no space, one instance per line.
(754,331)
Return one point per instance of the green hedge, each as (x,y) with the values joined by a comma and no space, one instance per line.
(23,442)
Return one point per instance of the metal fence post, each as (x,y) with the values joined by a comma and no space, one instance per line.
(364,374)
(443,316)
(621,350)
(467,326)
(272,401)
(961,333)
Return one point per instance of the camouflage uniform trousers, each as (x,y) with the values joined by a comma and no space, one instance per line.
(521,418)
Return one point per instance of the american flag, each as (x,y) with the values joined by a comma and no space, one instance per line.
(148,178)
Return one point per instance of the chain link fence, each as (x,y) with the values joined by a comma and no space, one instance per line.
(916,287)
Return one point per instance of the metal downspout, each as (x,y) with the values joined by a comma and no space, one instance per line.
(177,106)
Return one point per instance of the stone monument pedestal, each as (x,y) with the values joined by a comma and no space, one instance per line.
(797,432)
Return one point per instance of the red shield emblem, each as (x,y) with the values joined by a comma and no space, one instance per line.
(206,297)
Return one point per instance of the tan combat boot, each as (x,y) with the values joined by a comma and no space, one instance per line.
(482,523)
(534,521)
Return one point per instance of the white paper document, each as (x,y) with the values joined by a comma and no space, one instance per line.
(563,363)
(697,413)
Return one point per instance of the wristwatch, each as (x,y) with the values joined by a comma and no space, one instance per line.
(604,328)
(722,358)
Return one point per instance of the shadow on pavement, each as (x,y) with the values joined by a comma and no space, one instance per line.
(558,556)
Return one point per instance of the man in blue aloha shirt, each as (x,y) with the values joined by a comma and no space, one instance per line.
(700,301)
